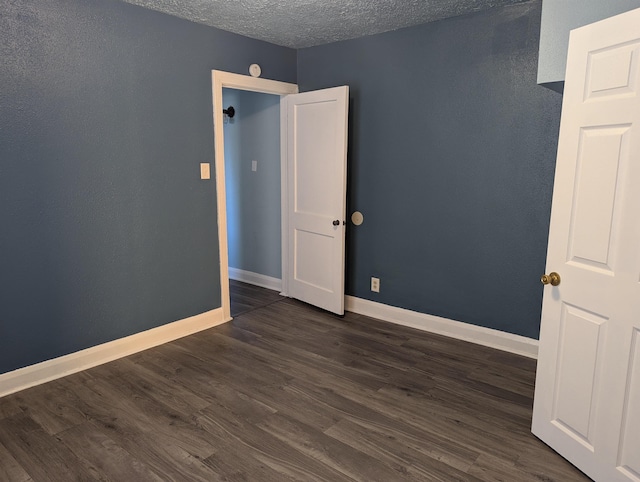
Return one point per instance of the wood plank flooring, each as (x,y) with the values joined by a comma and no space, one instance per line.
(285,392)
(246,297)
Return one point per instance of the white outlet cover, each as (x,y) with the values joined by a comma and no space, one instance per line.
(254,166)
(375,284)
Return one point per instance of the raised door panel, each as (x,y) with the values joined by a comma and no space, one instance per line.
(629,449)
(582,337)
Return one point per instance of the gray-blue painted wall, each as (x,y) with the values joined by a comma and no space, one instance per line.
(105,228)
(451,161)
(253,197)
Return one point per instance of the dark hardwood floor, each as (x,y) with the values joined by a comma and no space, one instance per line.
(285,392)
(246,297)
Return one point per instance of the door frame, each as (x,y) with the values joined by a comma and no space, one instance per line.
(219,80)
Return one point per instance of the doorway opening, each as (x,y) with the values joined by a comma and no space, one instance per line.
(252,170)
(225,80)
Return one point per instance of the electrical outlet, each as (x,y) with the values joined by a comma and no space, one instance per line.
(375,284)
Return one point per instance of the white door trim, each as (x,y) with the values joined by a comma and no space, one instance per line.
(220,80)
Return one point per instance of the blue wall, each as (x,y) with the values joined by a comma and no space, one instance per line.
(451,161)
(253,198)
(105,228)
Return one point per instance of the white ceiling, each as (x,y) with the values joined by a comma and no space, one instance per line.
(305,23)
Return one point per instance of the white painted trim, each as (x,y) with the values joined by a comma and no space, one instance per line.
(46,371)
(517,344)
(220,80)
(284,196)
(256,279)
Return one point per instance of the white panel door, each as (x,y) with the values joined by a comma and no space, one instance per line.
(316,184)
(587,398)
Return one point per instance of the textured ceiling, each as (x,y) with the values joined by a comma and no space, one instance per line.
(305,23)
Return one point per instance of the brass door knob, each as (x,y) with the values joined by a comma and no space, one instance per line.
(552,279)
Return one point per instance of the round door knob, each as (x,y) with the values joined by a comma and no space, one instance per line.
(552,279)
(336,222)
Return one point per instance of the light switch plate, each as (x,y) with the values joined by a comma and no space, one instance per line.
(254,166)
(205,170)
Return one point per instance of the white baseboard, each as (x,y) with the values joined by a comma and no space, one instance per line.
(517,344)
(46,371)
(255,279)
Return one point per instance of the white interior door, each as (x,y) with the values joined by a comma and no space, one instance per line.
(587,399)
(316,195)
